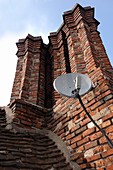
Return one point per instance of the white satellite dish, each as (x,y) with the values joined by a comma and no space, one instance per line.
(67,84)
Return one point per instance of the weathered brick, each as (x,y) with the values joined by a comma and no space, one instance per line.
(84,166)
(109,129)
(111,108)
(110,167)
(102,140)
(98,149)
(75,156)
(95,136)
(110,115)
(75,128)
(77,138)
(75,47)
(106,123)
(107,153)
(91,144)
(73,145)
(84,122)
(94,158)
(89,131)
(68,137)
(100,163)
(82,129)
(80,149)
(109,160)
(83,141)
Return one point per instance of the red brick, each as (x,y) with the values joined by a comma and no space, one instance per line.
(107,123)
(98,149)
(110,167)
(84,166)
(80,149)
(75,156)
(81,160)
(89,131)
(106,117)
(90,103)
(109,129)
(96,135)
(103,106)
(77,138)
(26,123)
(83,141)
(60,132)
(91,144)
(94,106)
(84,122)
(73,145)
(111,108)
(70,136)
(100,163)
(75,128)
(94,158)
(106,93)
(102,140)
(109,160)
(107,153)
(80,130)
(106,147)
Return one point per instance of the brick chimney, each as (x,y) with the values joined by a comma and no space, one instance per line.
(75,47)
(33,71)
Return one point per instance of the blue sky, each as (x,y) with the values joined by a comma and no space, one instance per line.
(39,18)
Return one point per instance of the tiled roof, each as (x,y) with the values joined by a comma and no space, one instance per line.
(26,150)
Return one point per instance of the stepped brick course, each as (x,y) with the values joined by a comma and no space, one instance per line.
(35,105)
(23,149)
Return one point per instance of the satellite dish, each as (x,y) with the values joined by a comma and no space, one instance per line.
(74,85)
(68,84)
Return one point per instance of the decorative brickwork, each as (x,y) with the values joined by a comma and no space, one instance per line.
(31,73)
(36,106)
(28,149)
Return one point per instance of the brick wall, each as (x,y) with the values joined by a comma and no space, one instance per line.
(68,120)
(27,115)
(33,72)
(75,47)
(87,145)
(28,148)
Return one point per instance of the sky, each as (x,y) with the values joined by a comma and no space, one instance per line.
(39,18)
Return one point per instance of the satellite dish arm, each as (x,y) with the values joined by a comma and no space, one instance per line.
(77,82)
